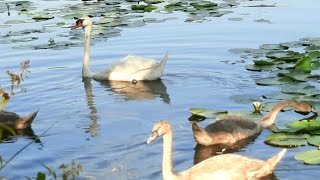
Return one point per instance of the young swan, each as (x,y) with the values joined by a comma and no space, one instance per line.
(231,128)
(15,121)
(226,166)
(12,119)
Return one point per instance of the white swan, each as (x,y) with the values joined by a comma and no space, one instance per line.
(131,68)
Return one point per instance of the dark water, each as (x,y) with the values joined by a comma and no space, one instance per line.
(104,126)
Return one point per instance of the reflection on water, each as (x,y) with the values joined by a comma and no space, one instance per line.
(7,137)
(204,152)
(142,90)
(94,126)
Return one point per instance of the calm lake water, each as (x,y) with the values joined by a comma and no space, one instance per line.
(104,126)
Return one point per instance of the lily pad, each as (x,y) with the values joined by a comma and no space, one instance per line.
(290,143)
(280,54)
(309,157)
(211,114)
(314,140)
(263,62)
(304,64)
(145,8)
(305,126)
(273,47)
(42,17)
(273,81)
(203,5)
(287,140)
(253,67)
(286,136)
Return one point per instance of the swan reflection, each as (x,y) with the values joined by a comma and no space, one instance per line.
(7,136)
(204,152)
(94,127)
(142,90)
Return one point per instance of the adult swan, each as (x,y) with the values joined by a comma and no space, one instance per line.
(131,68)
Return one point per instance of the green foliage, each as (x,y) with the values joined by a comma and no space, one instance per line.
(68,172)
(207,113)
(41,176)
(304,64)
(309,157)
(145,8)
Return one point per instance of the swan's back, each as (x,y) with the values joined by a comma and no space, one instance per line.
(131,63)
(231,124)
(133,67)
(228,130)
(232,166)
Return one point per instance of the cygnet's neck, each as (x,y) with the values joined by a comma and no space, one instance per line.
(269,119)
(167,165)
(86,54)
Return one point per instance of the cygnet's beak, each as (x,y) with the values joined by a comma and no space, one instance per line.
(152,137)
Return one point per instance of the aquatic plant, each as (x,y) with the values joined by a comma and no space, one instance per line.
(67,172)
(293,66)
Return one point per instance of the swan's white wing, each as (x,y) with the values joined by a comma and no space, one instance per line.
(131,64)
(133,67)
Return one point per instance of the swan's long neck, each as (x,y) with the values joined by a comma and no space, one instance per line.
(167,165)
(86,55)
(269,119)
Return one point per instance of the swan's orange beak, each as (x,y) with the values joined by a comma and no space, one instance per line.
(79,23)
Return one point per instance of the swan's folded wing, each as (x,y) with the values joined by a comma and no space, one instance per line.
(131,64)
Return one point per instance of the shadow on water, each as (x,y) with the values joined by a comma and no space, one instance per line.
(94,127)
(27,133)
(204,152)
(142,90)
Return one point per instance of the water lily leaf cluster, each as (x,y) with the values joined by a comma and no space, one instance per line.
(294,68)
(199,114)
(298,133)
(109,18)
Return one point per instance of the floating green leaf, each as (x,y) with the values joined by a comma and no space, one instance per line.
(273,47)
(273,81)
(314,140)
(309,157)
(304,64)
(286,136)
(290,143)
(211,114)
(287,140)
(253,67)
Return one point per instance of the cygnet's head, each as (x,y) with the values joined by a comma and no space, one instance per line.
(159,129)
